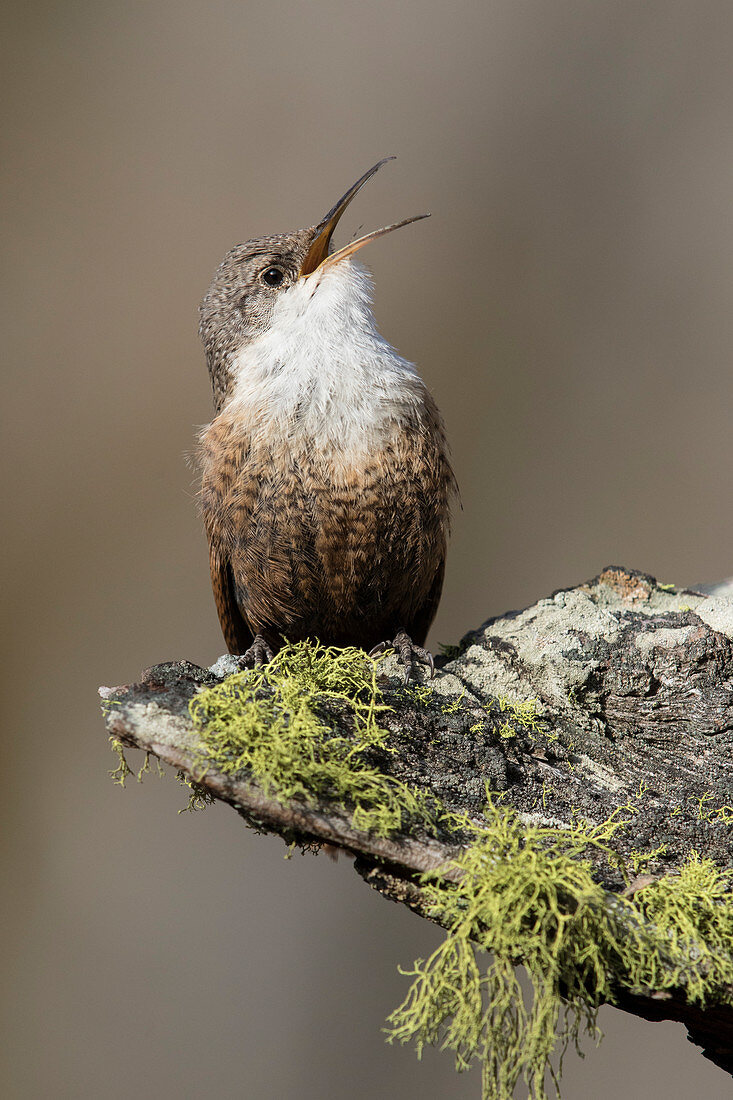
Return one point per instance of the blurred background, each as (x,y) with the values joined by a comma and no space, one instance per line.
(569,304)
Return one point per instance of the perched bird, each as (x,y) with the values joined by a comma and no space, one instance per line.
(326,481)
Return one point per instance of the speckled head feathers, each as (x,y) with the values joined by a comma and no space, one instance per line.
(238,305)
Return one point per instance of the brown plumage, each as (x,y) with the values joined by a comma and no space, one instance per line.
(326,483)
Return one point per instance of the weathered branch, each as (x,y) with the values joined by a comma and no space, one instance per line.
(628,700)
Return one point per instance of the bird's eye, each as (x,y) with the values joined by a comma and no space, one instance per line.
(273,276)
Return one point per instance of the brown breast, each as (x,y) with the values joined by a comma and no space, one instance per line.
(348,548)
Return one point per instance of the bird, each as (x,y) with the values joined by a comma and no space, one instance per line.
(326,479)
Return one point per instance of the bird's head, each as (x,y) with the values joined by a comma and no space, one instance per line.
(283,287)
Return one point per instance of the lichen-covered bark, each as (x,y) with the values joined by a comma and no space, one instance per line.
(616,693)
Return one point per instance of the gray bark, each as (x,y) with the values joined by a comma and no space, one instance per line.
(633,684)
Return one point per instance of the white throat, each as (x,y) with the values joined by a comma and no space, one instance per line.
(322,370)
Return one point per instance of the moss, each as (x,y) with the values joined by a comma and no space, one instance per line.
(306,726)
(527,894)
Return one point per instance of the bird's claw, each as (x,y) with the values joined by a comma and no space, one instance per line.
(408,653)
(258,654)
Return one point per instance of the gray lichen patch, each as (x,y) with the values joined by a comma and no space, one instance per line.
(558,650)
(717,612)
(664,638)
(545,651)
(615,645)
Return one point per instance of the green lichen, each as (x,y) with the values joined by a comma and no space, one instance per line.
(119,774)
(692,915)
(420,694)
(146,768)
(519,716)
(514,716)
(525,712)
(198,798)
(306,726)
(712,814)
(526,894)
(506,731)
(455,705)
(639,861)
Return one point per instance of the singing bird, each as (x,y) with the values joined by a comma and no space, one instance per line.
(326,480)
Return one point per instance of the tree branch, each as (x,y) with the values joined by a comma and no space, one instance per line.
(618,692)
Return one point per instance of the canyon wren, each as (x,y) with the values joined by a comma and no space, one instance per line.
(326,480)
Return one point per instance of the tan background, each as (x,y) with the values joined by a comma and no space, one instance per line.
(569,304)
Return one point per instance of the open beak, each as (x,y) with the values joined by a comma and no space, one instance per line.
(318,256)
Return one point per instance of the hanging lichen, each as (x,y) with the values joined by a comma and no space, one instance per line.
(526,895)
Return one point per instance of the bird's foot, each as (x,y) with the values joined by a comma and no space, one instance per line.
(408,653)
(258,654)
